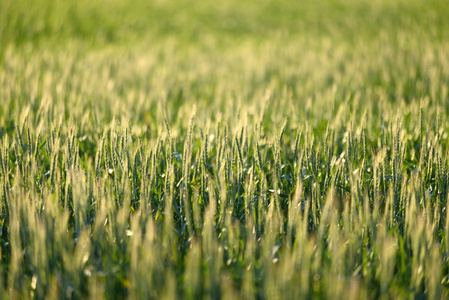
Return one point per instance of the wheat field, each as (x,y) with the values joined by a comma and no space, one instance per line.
(224,150)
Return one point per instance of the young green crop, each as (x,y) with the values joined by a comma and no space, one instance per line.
(224,150)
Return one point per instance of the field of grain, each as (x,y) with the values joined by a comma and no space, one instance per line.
(224,149)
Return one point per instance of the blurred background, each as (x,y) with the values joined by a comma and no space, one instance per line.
(144,59)
(193,21)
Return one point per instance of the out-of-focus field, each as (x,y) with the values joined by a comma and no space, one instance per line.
(224,149)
